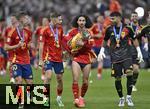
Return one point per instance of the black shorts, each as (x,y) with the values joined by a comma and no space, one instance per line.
(82,65)
(119,68)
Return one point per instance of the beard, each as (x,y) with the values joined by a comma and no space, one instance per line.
(81,25)
(114,23)
(135,20)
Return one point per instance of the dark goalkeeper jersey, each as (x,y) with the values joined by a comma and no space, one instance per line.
(146,33)
(120,42)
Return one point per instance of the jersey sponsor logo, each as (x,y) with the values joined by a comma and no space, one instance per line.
(24,46)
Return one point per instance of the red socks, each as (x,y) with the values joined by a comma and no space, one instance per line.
(84,89)
(75,89)
(59,92)
(99,71)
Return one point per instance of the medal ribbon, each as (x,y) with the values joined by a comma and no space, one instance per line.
(55,34)
(117,36)
(134,30)
(100,27)
(19,34)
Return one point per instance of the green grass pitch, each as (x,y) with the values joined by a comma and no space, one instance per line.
(101,93)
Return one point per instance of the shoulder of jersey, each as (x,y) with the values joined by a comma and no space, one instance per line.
(60,26)
(28,29)
(128,26)
(11,32)
(44,29)
(39,27)
(108,27)
(72,30)
(94,25)
(8,28)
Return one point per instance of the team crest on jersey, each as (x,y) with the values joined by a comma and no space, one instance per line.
(97,29)
(123,34)
(59,32)
(17,37)
(40,37)
(51,35)
(8,39)
(112,72)
(112,34)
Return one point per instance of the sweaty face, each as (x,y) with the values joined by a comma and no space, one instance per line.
(25,20)
(100,19)
(13,20)
(55,20)
(60,20)
(134,18)
(45,21)
(81,22)
(113,20)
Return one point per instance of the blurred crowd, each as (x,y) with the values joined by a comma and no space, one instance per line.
(70,8)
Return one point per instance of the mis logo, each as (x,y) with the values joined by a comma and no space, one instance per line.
(31,96)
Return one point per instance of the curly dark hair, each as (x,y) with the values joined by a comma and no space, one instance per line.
(88,21)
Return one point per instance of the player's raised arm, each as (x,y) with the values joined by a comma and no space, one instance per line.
(140,56)
(101,54)
(136,44)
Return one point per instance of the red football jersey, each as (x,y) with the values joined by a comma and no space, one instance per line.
(84,55)
(96,29)
(20,55)
(6,33)
(52,50)
(38,32)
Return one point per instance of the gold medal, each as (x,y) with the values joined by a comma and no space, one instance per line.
(57,44)
(118,41)
(117,36)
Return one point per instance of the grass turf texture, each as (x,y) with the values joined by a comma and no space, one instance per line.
(101,93)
